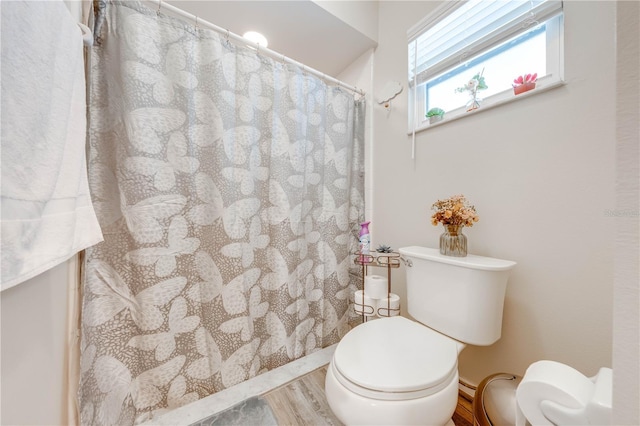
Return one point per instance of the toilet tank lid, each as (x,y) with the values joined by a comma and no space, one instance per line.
(470,261)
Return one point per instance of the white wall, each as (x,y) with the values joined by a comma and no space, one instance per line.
(34,329)
(626,320)
(541,173)
(361,15)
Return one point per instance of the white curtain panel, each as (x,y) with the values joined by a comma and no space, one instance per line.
(229,187)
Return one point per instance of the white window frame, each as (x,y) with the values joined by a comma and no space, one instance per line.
(553,78)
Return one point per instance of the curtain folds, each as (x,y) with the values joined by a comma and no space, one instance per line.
(229,188)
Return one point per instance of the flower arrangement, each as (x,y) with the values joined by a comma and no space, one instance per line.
(455,210)
(524,79)
(524,83)
(476,83)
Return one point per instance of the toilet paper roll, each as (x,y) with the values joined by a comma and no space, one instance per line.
(376,286)
(363,304)
(551,391)
(389,306)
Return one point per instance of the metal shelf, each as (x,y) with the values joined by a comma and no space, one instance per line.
(382,260)
(386,260)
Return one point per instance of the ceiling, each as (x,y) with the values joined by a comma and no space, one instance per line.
(300,30)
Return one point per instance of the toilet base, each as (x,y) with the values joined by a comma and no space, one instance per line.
(354,409)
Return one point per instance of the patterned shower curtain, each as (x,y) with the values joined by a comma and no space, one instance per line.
(229,188)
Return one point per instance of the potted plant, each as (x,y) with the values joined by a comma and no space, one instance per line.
(435,114)
(524,83)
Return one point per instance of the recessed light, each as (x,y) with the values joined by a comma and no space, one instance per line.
(256,37)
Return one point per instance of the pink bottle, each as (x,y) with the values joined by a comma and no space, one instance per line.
(365,238)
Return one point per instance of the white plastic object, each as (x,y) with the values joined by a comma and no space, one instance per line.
(552,393)
(599,408)
(388,92)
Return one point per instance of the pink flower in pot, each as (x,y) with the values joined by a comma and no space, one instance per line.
(524,83)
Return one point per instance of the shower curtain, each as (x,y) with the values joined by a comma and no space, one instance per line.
(229,188)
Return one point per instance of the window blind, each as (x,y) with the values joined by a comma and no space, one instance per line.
(462,29)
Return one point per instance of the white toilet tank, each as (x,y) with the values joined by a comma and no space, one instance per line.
(461,297)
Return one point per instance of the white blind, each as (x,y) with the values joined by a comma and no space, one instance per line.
(463,29)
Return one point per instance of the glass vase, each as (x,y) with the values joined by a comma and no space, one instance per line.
(474,101)
(453,242)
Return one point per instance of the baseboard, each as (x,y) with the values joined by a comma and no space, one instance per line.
(467,392)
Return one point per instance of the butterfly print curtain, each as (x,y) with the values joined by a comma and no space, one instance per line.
(229,188)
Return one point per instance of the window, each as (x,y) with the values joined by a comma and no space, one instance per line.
(496,40)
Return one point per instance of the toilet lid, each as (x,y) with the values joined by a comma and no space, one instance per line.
(396,355)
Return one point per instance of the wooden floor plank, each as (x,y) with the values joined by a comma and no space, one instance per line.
(463,415)
(302,402)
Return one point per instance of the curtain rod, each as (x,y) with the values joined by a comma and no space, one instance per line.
(162,5)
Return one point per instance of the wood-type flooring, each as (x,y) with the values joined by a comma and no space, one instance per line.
(302,403)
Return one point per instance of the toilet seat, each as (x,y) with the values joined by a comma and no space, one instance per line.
(395,359)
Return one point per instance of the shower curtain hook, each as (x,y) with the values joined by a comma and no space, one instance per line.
(359,93)
(159,6)
(227,37)
(363,94)
(196,22)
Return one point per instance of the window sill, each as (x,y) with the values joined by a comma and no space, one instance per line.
(498,99)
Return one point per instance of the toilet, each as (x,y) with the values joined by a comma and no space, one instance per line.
(396,371)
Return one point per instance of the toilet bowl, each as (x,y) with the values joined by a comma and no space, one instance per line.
(396,371)
(410,379)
